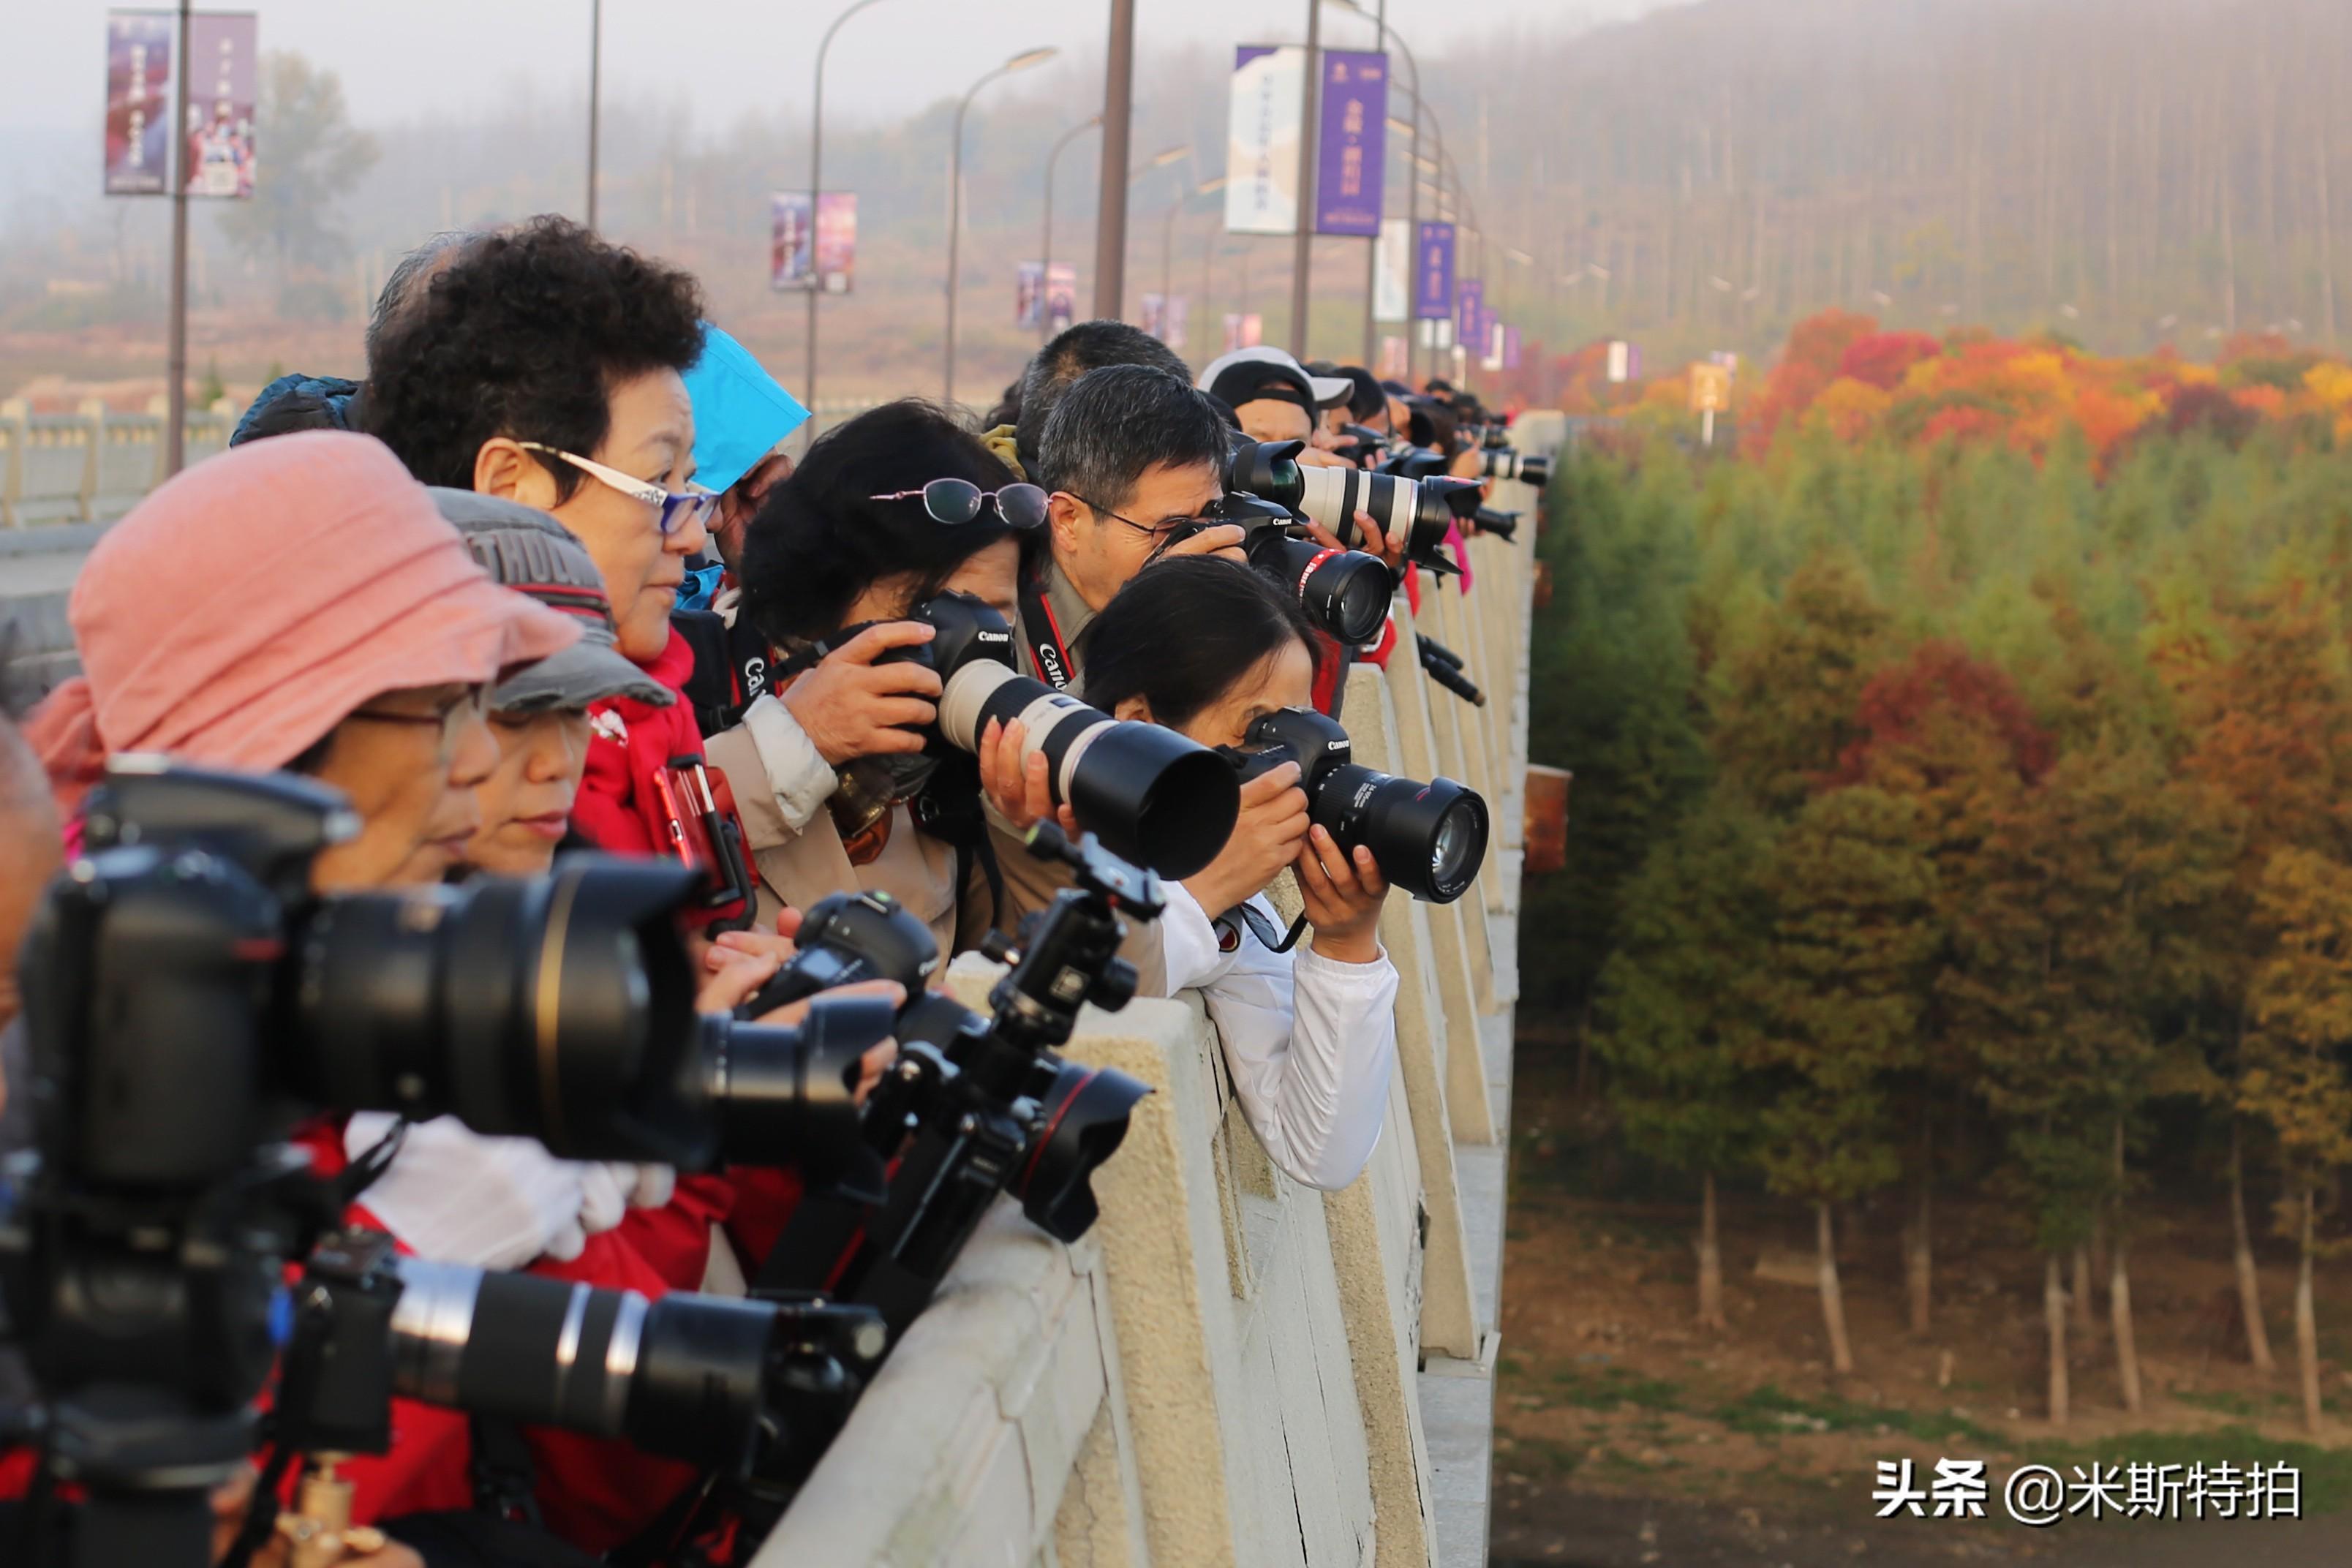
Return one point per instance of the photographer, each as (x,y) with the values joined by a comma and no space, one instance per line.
(1206,647)
(546,367)
(338,628)
(1130,455)
(1275,398)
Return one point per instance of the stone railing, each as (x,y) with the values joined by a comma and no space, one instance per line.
(1233,1370)
(91,466)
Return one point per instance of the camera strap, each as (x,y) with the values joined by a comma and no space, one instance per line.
(1043,634)
(361,1175)
(1263,928)
(505,1481)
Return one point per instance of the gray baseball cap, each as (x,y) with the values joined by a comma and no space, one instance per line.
(524,549)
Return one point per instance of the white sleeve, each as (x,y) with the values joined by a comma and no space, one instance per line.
(800,779)
(1311,1044)
(1188,940)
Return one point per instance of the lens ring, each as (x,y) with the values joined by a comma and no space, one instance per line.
(1022,506)
(952,502)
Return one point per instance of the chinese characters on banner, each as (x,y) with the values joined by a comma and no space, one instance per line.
(1490,335)
(1262,138)
(1351,143)
(1433,270)
(1043,297)
(222,71)
(137,109)
(1469,312)
(813,245)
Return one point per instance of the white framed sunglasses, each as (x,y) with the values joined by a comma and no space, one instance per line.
(673,508)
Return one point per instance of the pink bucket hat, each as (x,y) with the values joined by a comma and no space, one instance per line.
(241,611)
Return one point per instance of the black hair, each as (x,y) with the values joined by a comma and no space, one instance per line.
(525,334)
(1117,422)
(1088,346)
(1008,406)
(1365,398)
(819,541)
(1433,425)
(1183,630)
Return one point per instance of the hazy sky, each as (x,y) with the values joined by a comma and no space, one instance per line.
(726,56)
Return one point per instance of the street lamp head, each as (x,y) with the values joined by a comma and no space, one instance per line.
(1208,187)
(1400,126)
(1171,156)
(1521,257)
(1027,58)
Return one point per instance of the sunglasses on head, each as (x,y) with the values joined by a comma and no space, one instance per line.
(958,502)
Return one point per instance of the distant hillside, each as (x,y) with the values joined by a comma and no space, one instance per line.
(2124,171)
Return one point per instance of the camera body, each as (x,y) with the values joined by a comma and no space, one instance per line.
(1416,503)
(1428,838)
(1345,593)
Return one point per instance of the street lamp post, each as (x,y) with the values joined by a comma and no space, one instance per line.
(1045,250)
(1302,254)
(1020,62)
(175,347)
(1110,215)
(595,95)
(817,179)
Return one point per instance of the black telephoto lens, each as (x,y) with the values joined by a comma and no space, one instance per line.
(686,1377)
(1150,794)
(1345,593)
(559,1008)
(787,1094)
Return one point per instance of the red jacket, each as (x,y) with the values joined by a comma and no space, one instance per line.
(618,806)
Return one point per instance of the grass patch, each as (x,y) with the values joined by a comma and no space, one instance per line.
(1766,1411)
(1546,1456)
(1614,1388)
(2327,1472)
(2229,1402)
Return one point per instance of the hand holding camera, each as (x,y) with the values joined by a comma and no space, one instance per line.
(857,703)
(1343,891)
(1019,781)
(1267,837)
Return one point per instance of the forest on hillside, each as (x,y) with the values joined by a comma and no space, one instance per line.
(1963,800)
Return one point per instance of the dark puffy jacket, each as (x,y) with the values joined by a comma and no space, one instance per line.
(299,403)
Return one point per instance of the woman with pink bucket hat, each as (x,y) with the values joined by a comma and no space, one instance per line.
(300,604)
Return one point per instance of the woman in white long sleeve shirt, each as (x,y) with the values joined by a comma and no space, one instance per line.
(1207,647)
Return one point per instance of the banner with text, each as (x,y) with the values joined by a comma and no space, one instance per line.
(1469,312)
(1268,104)
(138,105)
(1433,270)
(1243,332)
(1351,143)
(1045,297)
(222,71)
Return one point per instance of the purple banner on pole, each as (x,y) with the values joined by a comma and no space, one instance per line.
(138,107)
(1432,272)
(1351,143)
(1469,313)
(222,65)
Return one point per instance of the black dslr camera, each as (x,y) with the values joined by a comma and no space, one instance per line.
(1345,593)
(1153,795)
(1429,839)
(188,999)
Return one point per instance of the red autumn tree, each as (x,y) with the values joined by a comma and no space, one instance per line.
(1881,359)
(1896,704)
(1816,347)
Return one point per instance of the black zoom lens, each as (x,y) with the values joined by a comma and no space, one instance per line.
(1506,464)
(685,1377)
(788,1095)
(1429,839)
(1345,593)
(1150,794)
(559,1008)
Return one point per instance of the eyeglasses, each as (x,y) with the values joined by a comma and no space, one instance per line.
(1212,512)
(958,502)
(676,508)
(470,705)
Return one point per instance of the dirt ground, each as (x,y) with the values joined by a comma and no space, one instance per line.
(1625,1436)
